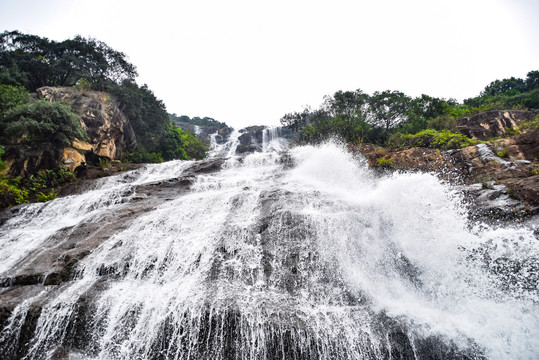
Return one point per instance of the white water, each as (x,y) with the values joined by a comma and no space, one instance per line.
(309,255)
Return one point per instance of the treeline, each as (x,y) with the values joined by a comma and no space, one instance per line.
(205,121)
(392,118)
(28,62)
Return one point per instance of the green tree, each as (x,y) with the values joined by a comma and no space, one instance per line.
(505,86)
(40,121)
(11,96)
(388,109)
(42,62)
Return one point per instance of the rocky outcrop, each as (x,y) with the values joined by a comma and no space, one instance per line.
(109,132)
(495,123)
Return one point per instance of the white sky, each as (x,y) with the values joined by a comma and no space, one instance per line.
(250,62)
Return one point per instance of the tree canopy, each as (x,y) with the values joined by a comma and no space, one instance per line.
(358,116)
(34,62)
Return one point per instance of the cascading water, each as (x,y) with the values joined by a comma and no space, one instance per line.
(298,255)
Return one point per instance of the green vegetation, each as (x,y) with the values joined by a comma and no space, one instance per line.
(503,153)
(205,121)
(11,192)
(391,118)
(385,163)
(40,121)
(33,62)
(11,96)
(42,197)
(530,125)
(28,62)
(17,190)
(443,139)
(3,165)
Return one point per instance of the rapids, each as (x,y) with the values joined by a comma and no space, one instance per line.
(300,253)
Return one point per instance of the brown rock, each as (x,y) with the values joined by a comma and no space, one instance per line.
(493,123)
(72,158)
(109,131)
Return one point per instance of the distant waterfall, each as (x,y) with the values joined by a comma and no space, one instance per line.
(271,139)
(282,254)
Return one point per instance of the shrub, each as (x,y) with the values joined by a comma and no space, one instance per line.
(443,122)
(11,96)
(430,138)
(385,163)
(503,153)
(42,197)
(41,121)
(142,155)
(11,193)
(3,165)
(530,125)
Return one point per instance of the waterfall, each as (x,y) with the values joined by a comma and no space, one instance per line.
(272,140)
(302,254)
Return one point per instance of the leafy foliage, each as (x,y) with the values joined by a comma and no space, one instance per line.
(146,113)
(205,121)
(41,121)
(530,125)
(443,122)
(142,155)
(430,138)
(11,193)
(385,117)
(3,165)
(42,197)
(34,62)
(11,96)
(385,163)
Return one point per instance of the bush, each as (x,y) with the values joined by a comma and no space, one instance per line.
(385,163)
(41,121)
(429,138)
(11,96)
(142,155)
(503,153)
(3,165)
(443,122)
(42,197)
(532,125)
(11,193)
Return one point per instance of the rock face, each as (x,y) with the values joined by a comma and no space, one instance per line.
(494,123)
(505,172)
(109,132)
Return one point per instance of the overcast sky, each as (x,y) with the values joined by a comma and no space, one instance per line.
(250,62)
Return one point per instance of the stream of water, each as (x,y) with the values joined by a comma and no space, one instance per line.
(300,253)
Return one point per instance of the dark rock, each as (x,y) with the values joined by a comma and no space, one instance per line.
(493,123)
